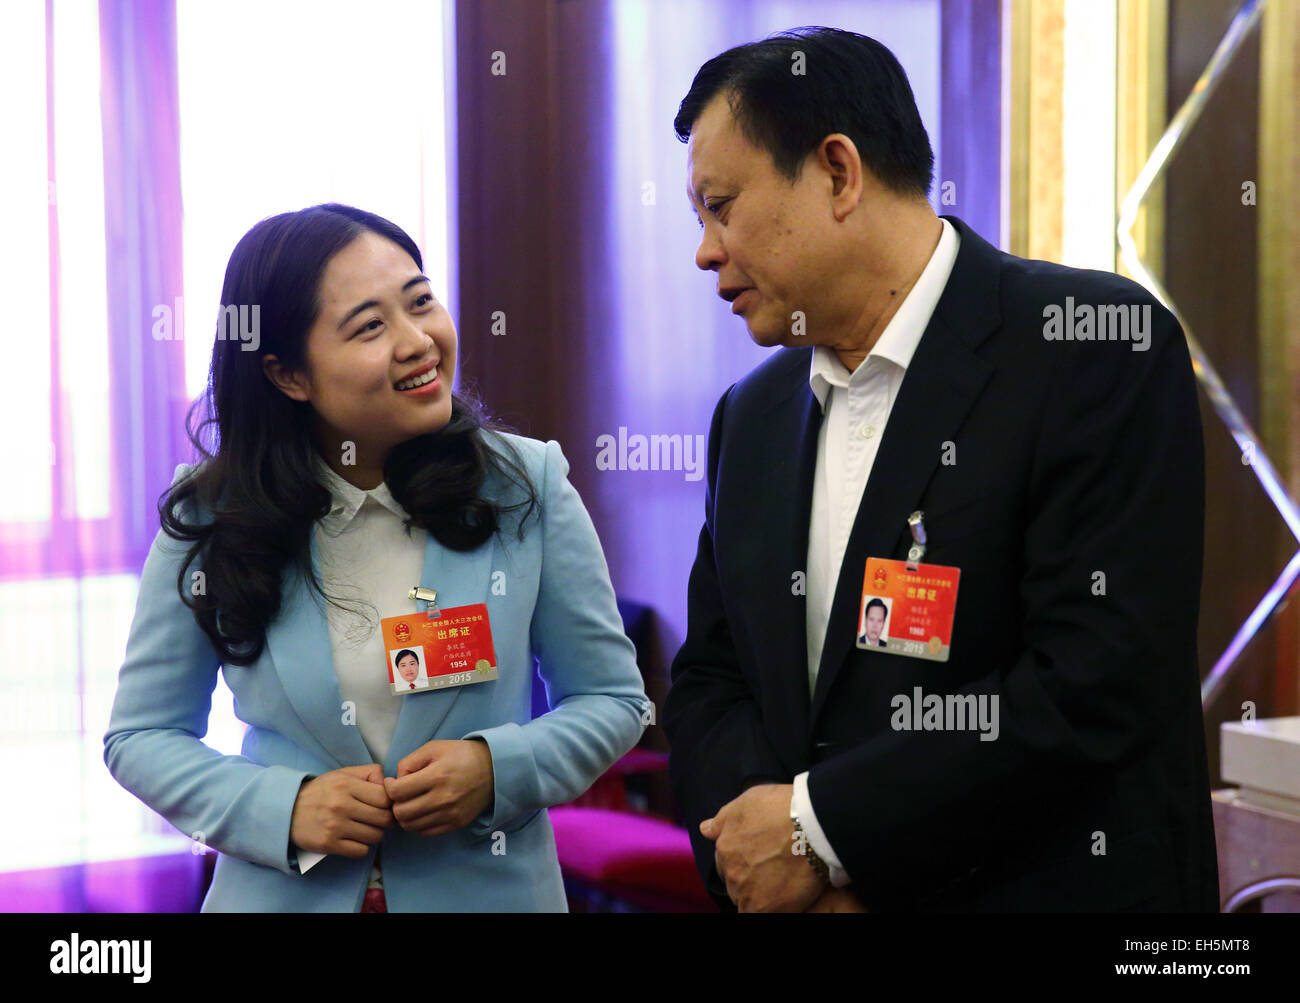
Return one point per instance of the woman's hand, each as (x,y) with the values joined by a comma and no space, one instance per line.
(344,811)
(442,786)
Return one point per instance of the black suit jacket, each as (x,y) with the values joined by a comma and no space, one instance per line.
(1071,458)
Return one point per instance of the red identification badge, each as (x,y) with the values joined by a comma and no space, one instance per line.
(906,612)
(433,653)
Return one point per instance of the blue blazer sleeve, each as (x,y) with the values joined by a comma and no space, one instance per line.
(586,659)
(160,714)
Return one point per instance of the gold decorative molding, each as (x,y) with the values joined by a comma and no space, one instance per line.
(1036,193)
(1140,115)
(1278,235)
(1254,454)
(1277,209)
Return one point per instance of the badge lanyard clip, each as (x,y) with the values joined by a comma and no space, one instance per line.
(430,596)
(914,554)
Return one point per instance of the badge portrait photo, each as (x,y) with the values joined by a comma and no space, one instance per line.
(873,623)
(406,672)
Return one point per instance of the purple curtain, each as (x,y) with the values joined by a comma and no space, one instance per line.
(142,215)
(146,409)
(142,209)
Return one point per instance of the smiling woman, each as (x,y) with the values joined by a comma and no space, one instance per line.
(345,316)
(343,467)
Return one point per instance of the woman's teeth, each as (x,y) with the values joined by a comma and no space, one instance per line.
(419,381)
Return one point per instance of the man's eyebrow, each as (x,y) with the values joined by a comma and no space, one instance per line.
(373,303)
(690,193)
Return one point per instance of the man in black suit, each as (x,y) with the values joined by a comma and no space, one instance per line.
(1043,420)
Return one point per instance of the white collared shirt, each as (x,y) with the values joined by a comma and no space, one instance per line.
(855,409)
(369,561)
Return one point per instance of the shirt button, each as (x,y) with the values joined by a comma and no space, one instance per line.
(866,431)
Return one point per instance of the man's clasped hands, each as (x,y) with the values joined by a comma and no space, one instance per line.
(758,859)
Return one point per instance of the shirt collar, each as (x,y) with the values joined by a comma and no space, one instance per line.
(346,500)
(898,341)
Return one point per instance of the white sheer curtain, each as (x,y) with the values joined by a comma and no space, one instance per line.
(285,105)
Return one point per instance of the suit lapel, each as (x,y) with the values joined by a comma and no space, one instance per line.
(942,383)
(791,432)
(299,644)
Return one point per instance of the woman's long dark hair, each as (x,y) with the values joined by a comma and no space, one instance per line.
(255,497)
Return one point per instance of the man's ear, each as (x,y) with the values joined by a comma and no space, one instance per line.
(292,382)
(840,158)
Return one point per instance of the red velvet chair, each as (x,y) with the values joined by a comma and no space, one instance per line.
(621,852)
(617,858)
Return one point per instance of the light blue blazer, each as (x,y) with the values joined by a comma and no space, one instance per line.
(558,605)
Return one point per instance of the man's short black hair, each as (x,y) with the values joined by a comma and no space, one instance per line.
(876,602)
(849,83)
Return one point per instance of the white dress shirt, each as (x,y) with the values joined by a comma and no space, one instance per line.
(855,408)
(368,560)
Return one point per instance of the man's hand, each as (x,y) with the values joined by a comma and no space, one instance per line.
(837,900)
(442,786)
(755,855)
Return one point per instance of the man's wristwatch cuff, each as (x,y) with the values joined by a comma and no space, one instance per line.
(801,809)
(818,865)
